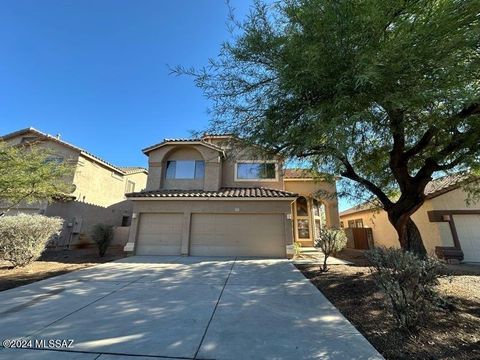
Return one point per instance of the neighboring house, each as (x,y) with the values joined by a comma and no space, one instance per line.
(99,188)
(449,226)
(213,196)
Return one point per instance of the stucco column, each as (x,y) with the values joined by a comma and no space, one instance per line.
(187,217)
(288,228)
(132,235)
(212,175)
(154,175)
(333,218)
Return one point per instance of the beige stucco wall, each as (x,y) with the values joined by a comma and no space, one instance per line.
(139,178)
(96,184)
(81,217)
(189,207)
(433,234)
(453,200)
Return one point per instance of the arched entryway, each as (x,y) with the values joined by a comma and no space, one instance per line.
(309,219)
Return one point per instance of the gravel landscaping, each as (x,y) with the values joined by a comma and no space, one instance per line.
(52,263)
(452,334)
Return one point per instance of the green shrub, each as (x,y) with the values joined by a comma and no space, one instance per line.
(330,241)
(24,237)
(408,283)
(297,248)
(102,235)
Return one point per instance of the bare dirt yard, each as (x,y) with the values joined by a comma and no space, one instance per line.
(52,263)
(451,334)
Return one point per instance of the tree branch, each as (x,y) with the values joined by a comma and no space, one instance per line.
(352,175)
(421,144)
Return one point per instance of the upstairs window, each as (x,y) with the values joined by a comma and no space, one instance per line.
(129,187)
(28,139)
(185,169)
(54,159)
(256,171)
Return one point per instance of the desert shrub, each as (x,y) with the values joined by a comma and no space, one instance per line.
(24,237)
(408,283)
(102,235)
(330,241)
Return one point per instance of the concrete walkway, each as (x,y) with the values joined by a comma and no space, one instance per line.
(180,308)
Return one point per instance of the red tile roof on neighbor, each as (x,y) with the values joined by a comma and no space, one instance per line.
(227,192)
(445,184)
(433,189)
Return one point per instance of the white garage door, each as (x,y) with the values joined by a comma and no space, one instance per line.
(159,234)
(468,230)
(237,235)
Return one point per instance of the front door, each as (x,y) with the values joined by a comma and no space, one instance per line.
(303,226)
(309,220)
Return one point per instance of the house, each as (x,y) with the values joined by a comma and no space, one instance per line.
(214,196)
(99,189)
(450,227)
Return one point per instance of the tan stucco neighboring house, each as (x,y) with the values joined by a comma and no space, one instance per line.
(99,189)
(211,196)
(450,227)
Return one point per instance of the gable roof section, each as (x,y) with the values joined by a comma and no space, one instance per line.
(166,142)
(223,193)
(433,189)
(64,143)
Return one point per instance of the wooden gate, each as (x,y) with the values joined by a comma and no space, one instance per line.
(360,238)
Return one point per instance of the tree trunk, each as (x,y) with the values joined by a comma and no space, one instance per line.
(408,234)
(414,240)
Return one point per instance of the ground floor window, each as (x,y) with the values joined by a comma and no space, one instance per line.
(355,223)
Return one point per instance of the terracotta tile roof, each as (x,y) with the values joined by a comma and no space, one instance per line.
(227,192)
(445,184)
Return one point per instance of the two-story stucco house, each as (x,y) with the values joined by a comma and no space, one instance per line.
(214,196)
(99,188)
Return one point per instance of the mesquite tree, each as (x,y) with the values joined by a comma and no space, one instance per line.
(385,93)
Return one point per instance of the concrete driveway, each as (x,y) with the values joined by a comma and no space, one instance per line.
(179,308)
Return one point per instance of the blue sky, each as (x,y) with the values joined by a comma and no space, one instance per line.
(95,71)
